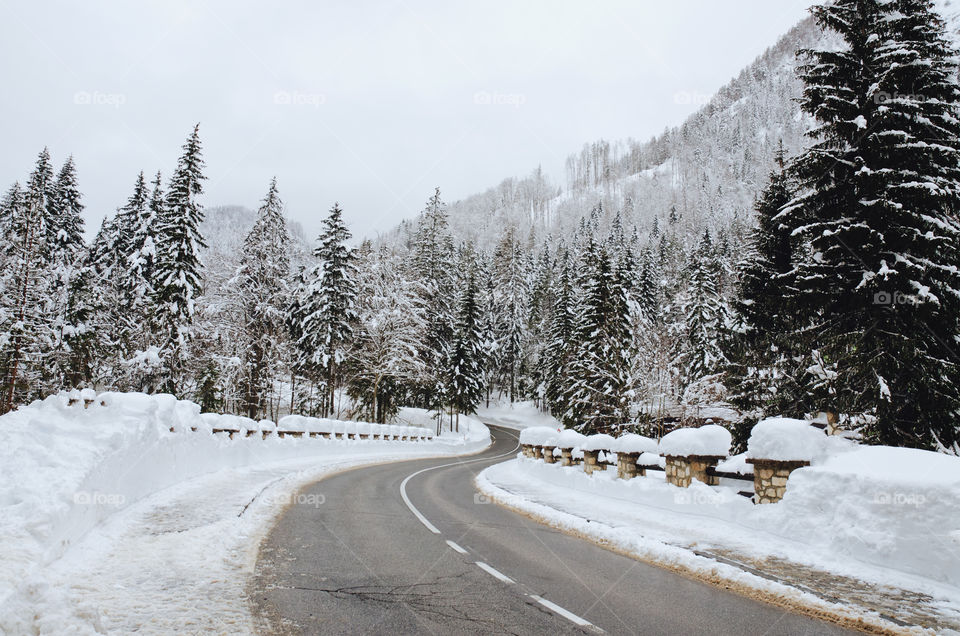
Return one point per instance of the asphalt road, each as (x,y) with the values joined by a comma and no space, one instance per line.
(366,562)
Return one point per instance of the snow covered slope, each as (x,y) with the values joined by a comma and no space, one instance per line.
(709,169)
(70,474)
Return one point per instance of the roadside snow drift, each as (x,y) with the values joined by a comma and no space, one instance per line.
(65,470)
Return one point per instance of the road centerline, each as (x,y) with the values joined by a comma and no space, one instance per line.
(456,547)
(567,614)
(419,515)
(494,572)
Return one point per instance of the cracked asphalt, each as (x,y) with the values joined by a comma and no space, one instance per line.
(362,563)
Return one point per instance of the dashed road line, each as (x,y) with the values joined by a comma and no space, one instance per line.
(495,573)
(570,616)
(403,485)
(456,547)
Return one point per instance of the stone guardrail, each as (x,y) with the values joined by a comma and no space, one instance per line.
(769,476)
(234,433)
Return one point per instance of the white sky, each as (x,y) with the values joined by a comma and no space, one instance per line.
(386,99)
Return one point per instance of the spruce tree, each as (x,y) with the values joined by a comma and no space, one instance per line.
(560,343)
(878,298)
(465,364)
(598,399)
(433,265)
(511,301)
(759,373)
(327,309)
(702,312)
(177,268)
(262,282)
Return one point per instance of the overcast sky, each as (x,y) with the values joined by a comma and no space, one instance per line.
(369,103)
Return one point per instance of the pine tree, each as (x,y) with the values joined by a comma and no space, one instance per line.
(327,309)
(599,398)
(560,345)
(433,265)
(262,282)
(177,275)
(511,300)
(702,312)
(65,231)
(34,274)
(64,239)
(878,210)
(759,374)
(465,364)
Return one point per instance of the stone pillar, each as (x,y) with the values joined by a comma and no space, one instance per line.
(591,463)
(770,478)
(566,457)
(537,452)
(548,454)
(527,450)
(683,470)
(627,466)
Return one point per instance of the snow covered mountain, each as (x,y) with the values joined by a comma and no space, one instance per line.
(708,170)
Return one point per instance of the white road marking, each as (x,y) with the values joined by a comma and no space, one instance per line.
(570,616)
(456,547)
(497,574)
(403,493)
(403,485)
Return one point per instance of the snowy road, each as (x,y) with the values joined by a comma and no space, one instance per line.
(434,557)
(179,561)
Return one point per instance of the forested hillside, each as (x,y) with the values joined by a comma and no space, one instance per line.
(791,249)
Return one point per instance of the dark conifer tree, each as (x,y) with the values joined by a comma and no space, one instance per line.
(878,300)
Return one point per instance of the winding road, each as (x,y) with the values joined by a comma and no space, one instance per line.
(411,548)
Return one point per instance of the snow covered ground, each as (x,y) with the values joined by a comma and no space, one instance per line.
(876,559)
(518,415)
(112,523)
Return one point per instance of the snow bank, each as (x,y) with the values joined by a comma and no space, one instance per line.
(471,431)
(66,469)
(807,542)
(538,435)
(569,438)
(517,415)
(598,442)
(897,507)
(711,439)
(789,439)
(633,443)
